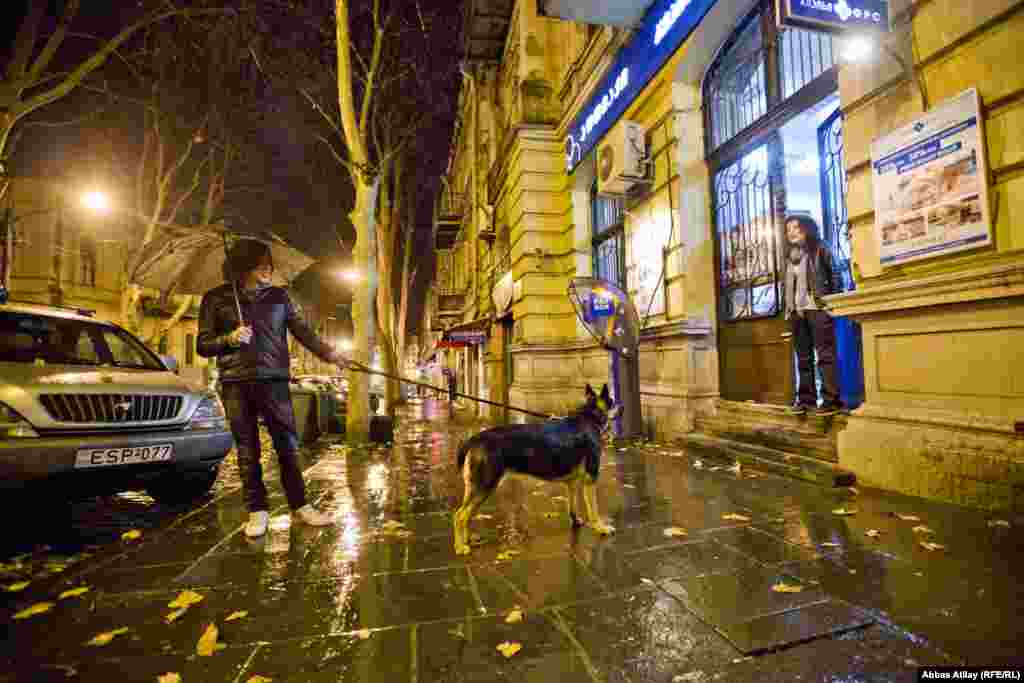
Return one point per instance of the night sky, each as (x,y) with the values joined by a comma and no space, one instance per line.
(288,181)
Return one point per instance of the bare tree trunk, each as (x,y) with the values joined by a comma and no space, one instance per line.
(363,217)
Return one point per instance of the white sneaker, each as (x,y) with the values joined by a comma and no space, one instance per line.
(307,514)
(257,525)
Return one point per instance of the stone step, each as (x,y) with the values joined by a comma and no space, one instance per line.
(778,462)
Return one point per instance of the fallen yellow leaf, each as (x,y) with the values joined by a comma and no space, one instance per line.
(74,592)
(185,600)
(674,531)
(132,535)
(509,649)
(169,678)
(732,516)
(104,638)
(508,554)
(237,615)
(484,516)
(873,533)
(38,608)
(173,616)
(830,545)
(392,524)
(363,634)
(16,587)
(921,529)
(550,515)
(927,545)
(998,522)
(784,587)
(515,616)
(259,679)
(207,644)
(908,518)
(844,512)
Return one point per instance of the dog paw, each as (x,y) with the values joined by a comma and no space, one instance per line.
(461,549)
(604,529)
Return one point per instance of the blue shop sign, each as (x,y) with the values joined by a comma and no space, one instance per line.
(601,307)
(665,26)
(837,16)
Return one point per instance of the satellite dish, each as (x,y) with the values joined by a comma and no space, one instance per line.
(607,313)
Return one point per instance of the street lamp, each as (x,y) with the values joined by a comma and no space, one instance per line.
(97,201)
(345,345)
(857,48)
(350,275)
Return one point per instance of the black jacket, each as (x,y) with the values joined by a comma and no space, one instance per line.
(272,314)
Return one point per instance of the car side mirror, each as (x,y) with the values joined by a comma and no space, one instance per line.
(171,363)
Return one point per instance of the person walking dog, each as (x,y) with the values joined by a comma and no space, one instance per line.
(809,277)
(253,362)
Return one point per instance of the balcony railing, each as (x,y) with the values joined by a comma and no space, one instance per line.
(450,301)
(448,211)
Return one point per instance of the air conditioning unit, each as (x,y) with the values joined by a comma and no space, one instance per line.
(622,159)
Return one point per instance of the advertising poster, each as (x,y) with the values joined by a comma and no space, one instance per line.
(931,184)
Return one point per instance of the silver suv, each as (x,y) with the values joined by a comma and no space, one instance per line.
(86,409)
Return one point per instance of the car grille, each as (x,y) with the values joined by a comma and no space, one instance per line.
(111,408)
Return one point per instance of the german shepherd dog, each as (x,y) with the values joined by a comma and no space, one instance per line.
(566,450)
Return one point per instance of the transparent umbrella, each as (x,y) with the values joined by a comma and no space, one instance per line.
(192,261)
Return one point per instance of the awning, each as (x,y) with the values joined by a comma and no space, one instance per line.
(467,334)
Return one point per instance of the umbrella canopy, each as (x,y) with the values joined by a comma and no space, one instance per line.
(192,262)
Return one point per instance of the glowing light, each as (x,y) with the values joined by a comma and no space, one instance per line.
(350,275)
(857,49)
(95,200)
(345,345)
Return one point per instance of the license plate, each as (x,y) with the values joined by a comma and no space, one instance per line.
(133,455)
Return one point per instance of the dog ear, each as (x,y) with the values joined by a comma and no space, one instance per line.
(589,392)
(605,396)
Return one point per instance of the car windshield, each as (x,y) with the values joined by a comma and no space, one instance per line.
(33,338)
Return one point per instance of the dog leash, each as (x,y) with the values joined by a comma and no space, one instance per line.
(362,368)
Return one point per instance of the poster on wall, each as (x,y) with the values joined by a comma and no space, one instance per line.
(931,184)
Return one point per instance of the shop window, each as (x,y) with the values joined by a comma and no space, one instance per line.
(769,97)
(748,254)
(608,216)
(736,90)
(803,56)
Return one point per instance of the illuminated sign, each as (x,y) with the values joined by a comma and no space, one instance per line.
(665,26)
(837,16)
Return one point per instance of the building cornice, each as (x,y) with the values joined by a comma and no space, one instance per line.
(994,281)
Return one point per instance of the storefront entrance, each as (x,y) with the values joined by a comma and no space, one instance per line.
(774,135)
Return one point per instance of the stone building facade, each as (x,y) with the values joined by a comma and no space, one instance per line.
(744,121)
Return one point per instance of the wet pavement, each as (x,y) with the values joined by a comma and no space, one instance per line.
(713,575)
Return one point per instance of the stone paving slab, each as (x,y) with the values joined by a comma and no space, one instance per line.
(351,602)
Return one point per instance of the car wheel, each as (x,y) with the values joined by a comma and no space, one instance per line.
(182,487)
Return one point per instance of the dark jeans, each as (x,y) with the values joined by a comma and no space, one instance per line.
(245,403)
(815,331)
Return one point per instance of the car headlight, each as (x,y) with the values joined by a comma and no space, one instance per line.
(13,425)
(209,414)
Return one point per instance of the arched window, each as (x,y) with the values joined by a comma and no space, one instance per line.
(770,100)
